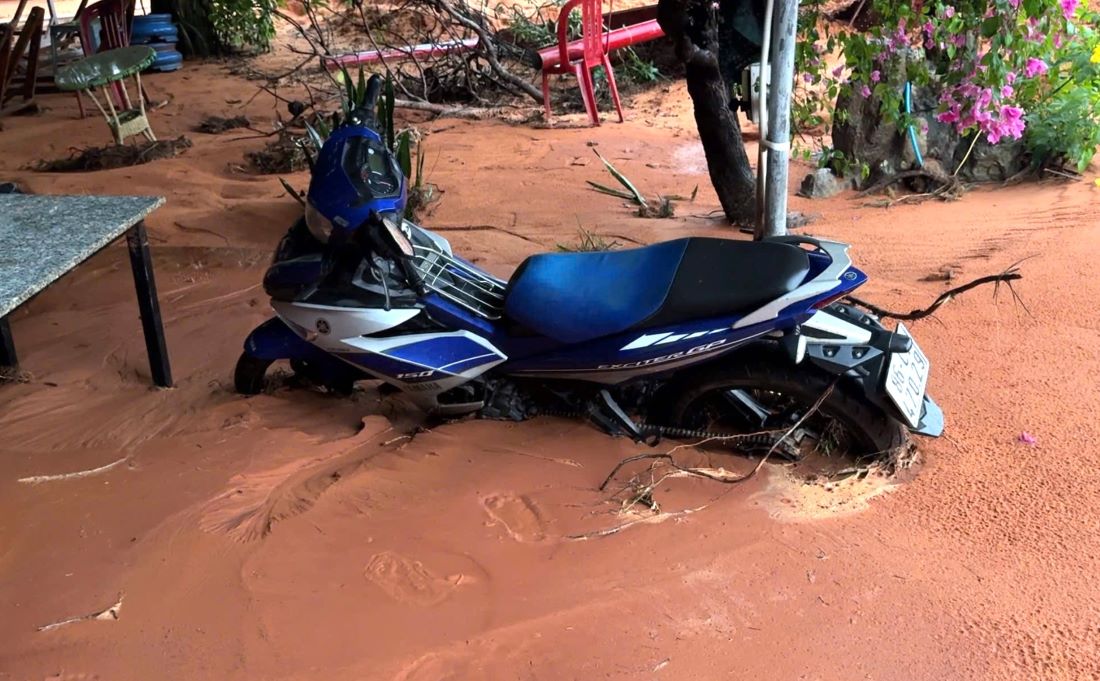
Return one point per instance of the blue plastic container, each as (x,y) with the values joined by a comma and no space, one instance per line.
(158,31)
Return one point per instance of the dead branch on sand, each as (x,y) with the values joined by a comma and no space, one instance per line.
(115,156)
(76,475)
(214,125)
(110,613)
(1007,277)
(642,493)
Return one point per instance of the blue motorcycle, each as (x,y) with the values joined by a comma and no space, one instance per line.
(695,337)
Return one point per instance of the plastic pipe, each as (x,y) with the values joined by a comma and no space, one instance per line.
(398,53)
(912,129)
(615,39)
(762,124)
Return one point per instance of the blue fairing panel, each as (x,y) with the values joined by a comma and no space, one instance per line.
(445,352)
(618,289)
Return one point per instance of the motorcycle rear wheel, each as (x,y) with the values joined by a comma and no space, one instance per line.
(718,398)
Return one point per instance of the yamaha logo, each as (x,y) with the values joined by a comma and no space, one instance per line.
(322,327)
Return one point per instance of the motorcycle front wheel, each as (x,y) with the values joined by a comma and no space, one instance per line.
(250,376)
(769,394)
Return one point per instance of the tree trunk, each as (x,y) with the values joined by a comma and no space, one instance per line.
(197,35)
(693,27)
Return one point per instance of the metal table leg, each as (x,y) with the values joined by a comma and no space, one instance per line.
(142,263)
(8,359)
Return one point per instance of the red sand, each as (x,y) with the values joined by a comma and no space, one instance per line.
(267,538)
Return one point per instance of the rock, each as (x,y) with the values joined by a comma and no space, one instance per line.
(991,163)
(821,184)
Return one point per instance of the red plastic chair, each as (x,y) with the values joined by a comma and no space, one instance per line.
(115,18)
(594,54)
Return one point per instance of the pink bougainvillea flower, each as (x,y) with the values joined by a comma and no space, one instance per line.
(864,91)
(949,11)
(1068,9)
(837,71)
(1015,4)
(808,77)
(876,76)
(1010,77)
(1035,67)
(1007,91)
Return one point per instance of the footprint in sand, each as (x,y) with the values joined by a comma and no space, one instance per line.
(408,581)
(518,514)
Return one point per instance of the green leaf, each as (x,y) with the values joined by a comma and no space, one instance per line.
(404,153)
(990,27)
(314,136)
(609,190)
(361,95)
(637,195)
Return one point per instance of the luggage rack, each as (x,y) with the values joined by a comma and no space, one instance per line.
(459,283)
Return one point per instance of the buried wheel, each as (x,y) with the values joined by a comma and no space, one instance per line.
(249,376)
(770,395)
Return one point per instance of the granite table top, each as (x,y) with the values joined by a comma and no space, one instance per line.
(43,237)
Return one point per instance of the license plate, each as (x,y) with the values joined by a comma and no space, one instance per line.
(906,380)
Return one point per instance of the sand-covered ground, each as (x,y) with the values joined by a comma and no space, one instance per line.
(299,536)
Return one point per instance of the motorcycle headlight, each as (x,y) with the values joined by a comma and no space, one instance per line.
(319,226)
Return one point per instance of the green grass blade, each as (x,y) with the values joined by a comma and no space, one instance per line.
(636,195)
(404,153)
(314,136)
(609,190)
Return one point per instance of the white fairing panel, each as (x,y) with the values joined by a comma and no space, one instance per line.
(330,328)
(841,331)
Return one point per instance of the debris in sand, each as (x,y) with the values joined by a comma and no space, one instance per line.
(36,479)
(1027,439)
(945,273)
(115,156)
(12,375)
(110,613)
(214,125)
(283,155)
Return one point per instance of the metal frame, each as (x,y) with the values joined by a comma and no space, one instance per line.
(460,283)
(141,262)
(8,358)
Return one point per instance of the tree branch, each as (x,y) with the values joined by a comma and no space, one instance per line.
(1008,276)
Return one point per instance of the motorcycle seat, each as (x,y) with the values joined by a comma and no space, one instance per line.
(576,297)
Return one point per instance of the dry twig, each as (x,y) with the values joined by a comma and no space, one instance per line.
(643,493)
(1007,277)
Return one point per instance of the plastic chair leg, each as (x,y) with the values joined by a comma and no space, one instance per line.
(614,88)
(588,91)
(546,97)
(80,104)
